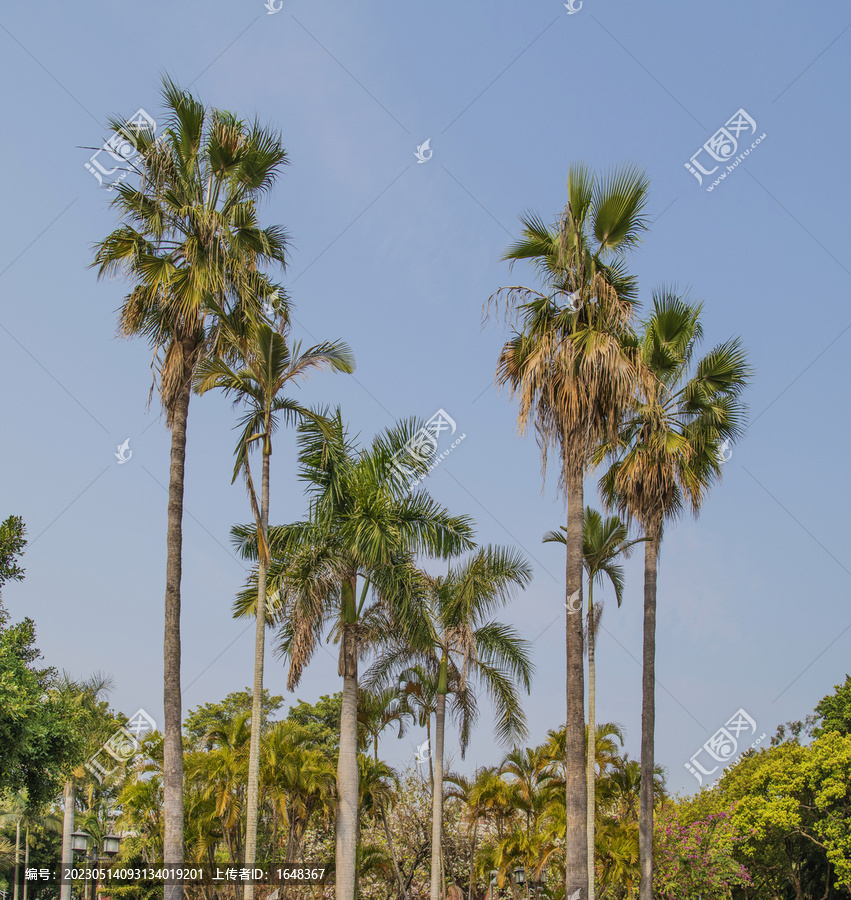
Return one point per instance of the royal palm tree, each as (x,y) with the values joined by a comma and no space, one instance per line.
(264,366)
(665,459)
(359,541)
(603,541)
(570,366)
(465,645)
(191,244)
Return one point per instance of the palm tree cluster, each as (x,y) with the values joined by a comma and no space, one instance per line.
(599,389)
(514,813)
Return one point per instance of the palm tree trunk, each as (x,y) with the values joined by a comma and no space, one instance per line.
(576,859)
(472,860)
(17,857)
(257,699)
(172,707)
(437,792)
(67,830)
(591,774)
(387,833)
(648,714)
(347,762)
(26,858)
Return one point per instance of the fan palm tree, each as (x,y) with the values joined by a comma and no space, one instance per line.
(569,365)
(191,243)
(666,458)
(464,645)
(603,541)
(265,366)
(362,533)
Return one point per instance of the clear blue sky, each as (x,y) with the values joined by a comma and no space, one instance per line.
(397,258)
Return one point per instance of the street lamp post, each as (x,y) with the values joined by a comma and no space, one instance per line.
(80,844)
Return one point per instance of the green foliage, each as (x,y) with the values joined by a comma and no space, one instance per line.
(212,717)
(40,737)
(835,710)
(321,720)
(12,543)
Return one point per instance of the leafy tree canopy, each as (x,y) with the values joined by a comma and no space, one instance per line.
(216,716)
(40,737)
(12,543)
(321,720)
(834,710)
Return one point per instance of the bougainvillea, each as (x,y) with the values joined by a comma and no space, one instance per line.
(693,859)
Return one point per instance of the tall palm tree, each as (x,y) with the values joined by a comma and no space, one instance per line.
(603,541)
(190,242)
(360,539)
(464,645)
(569,364)
(264,366)
(666,458)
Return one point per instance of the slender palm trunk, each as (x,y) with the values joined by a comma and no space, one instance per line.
(576,860)
(67,830)
(437,791)
(172,706)
(17,857)
(251,802)
(389,836)
(648,714)
(472,861)
(591,773)
(26,858)
(347,763)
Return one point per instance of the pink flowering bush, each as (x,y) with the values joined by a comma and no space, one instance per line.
(693,859)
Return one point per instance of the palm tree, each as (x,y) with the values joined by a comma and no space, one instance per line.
(265,366)
(190,242)
(463,645)
(86,698)
(477,795)
(363,525)
(603,541)
(296,786)
(665,458)
(569,365)
(222,772)
(16,809)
